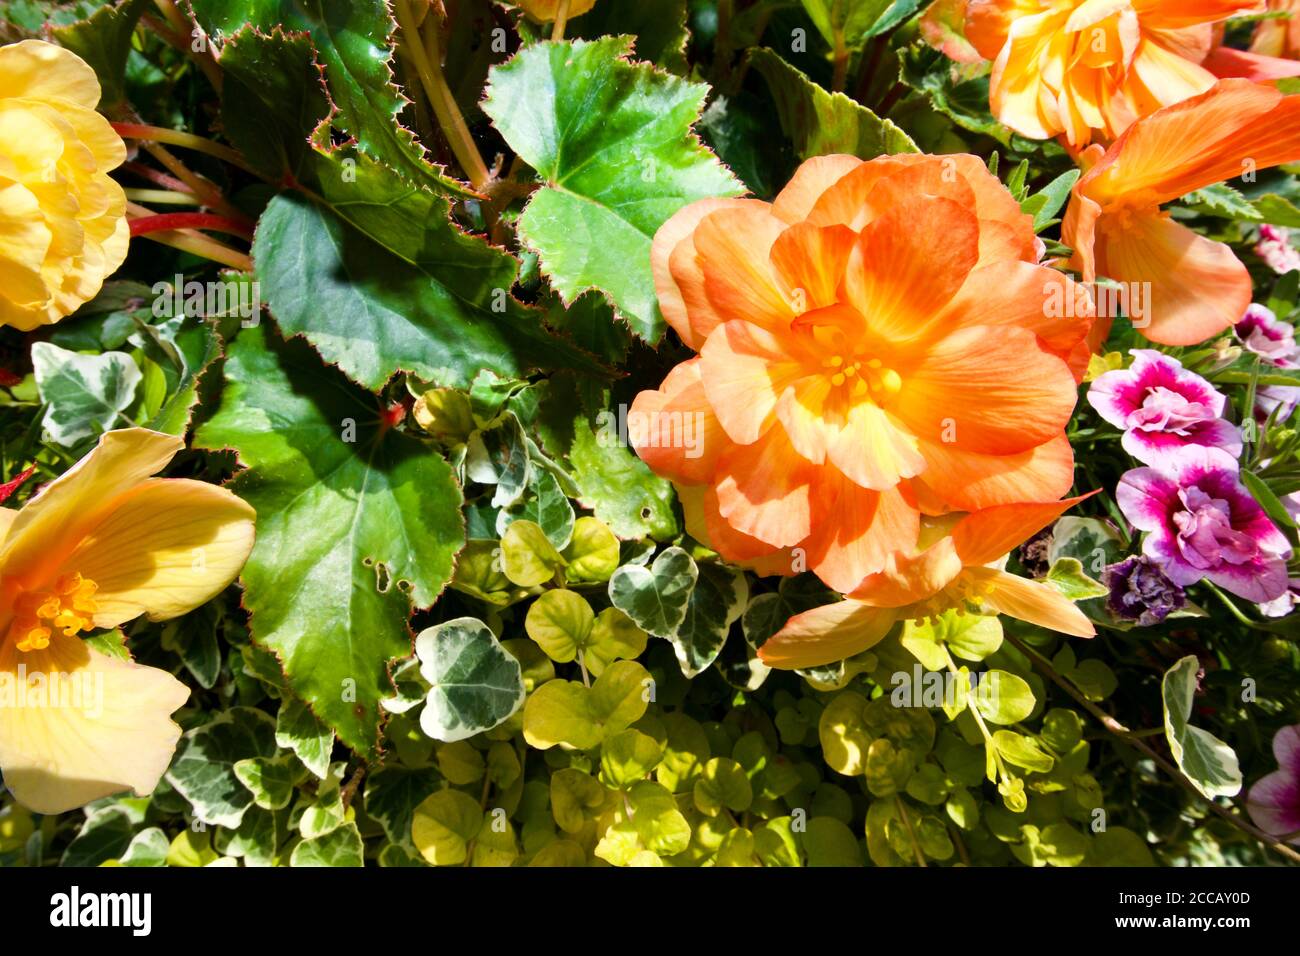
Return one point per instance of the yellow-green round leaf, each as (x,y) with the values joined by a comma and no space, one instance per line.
(444,825)
(527,555)
(844,736)
(561,622)
(593,551)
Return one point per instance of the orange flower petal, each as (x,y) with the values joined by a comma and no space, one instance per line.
(1031,601)
(676,432)
(908,579)
(874,450)
(733,248)
(745,369)
(679,283)
(1057,309)
(826,634)
(964,481)
(1203,140)
(992,390)
(1198,288)
(765,490)
(707,526)
(855,530)
(910,262)
(795,202)
(986,535)
(809,262)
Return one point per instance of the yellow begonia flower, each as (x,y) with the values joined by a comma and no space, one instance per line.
(63,225)
(96,548)
(546,11)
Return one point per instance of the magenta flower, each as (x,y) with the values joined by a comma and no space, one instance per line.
(1162,407)
(1274,802)
(1261,332)
(1203,524)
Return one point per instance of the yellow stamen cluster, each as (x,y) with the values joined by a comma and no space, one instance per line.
(962,595)
(69,606)
(881,383)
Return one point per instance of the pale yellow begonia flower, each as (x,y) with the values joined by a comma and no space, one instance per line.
(97,547)
(63,226)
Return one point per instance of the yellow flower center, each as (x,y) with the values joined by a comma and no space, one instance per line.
(864,378)
(962,595)
(69,606)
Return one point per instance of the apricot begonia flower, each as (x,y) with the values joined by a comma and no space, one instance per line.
(1087,69)
(1197,287)
(97,547)
(877,343)
(63,225)
(952,567)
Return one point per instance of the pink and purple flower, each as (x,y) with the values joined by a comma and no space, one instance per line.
(1273,340)
(1162,407)
(1204,525)
(1275,248)
(1263,333)
(1274,802)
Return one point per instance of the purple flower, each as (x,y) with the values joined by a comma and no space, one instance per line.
(1261,332)
(1140,592)
(1204,524)
(1274,801)
(1162,408)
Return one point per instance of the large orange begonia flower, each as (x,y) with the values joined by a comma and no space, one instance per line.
(1197,287)
(1088,69)
(97,547)
(952,567)
(877,343)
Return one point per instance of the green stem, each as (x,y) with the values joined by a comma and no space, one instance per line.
(1136,742)
(428,65)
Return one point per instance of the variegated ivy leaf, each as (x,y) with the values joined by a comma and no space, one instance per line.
(717,600)
(299,730)
(203,770)
(475,684)
(656,598)
(85,395)
(1209,763)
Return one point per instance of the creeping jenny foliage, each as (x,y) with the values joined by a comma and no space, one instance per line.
(475,628)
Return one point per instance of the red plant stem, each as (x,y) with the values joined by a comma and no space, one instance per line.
(157,177)
(162,222)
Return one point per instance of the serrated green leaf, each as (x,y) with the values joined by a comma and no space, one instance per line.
(352,39)
(819,123)
(355,523)
(611,141)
